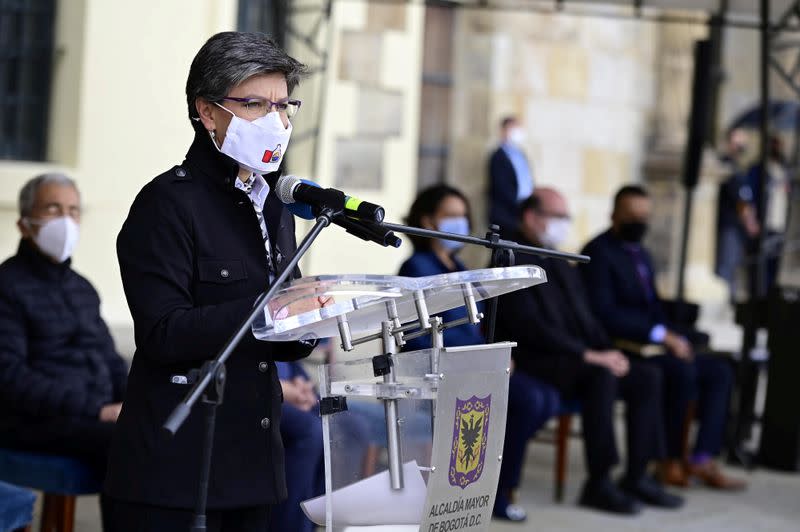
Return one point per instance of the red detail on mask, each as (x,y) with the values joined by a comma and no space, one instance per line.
(267,156)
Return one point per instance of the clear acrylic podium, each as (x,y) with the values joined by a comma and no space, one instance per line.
(413,440)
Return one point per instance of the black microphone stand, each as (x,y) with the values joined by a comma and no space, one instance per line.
(213,371)
(502,255)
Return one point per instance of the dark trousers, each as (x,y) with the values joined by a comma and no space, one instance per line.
(531,403)
(83,438)
(707,380)
(302,441)
(124,516)
(597,389)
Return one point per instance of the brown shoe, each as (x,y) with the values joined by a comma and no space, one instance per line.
(673,473)
(710,474)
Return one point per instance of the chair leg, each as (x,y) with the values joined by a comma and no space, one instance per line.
(562,443)
(49,513)
(67,514)
(58,513)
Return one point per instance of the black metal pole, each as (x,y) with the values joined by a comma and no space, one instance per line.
(761,270)
(500,257)
(210,404)
(756,272)
(214,372)
(687,220)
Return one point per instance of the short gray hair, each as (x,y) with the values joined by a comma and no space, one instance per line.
(27,196)
(230,57)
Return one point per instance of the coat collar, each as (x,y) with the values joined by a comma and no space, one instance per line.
(39,264)
(206,161)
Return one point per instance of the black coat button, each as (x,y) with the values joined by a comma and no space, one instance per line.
(265,423)
(224,273)
(263,367)
(180,172)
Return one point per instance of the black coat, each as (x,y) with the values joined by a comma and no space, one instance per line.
(503,207)
(615,291)
(193,263)
(550,322)
(57,358)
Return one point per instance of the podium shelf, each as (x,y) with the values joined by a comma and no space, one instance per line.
(321,306)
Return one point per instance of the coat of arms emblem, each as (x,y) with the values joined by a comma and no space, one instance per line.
(470,436)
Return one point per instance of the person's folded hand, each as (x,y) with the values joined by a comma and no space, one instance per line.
(109,413)
(678,346)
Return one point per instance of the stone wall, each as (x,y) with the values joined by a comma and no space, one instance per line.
(367,146)
(584,90)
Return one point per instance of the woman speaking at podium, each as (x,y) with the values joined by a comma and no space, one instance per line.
(201,242)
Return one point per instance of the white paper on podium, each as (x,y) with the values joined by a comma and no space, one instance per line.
(372,501)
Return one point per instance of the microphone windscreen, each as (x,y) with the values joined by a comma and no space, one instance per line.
(284,188)
(301,210)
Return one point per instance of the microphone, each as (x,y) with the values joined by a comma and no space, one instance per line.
(363,230)
(291,189)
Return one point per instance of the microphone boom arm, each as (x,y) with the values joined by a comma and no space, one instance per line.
(477,241)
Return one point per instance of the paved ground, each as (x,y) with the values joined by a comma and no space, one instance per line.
(772,503)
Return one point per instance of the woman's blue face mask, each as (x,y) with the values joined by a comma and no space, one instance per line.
(455,224)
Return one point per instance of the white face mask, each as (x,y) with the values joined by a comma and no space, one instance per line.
(517,136)
(556,232)
(257,146)
(57,238)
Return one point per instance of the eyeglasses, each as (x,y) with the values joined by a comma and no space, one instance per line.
(559,215)
(254,108)
(56,210)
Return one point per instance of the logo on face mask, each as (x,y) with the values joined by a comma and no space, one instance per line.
(272,156)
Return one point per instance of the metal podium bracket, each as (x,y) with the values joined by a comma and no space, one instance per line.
(397,330)
(344,332)
(384,391)
(469,302)
(332,405)
(422,309)
(390,410)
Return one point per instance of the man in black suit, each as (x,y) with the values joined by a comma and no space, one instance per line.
(560,341)
(510,177)
(620,284)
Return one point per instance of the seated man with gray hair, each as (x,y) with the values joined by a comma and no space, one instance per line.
(61,379)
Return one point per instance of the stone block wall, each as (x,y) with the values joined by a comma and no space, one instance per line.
(584,90)
(369,125)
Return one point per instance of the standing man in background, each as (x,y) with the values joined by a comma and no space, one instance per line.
(510,177)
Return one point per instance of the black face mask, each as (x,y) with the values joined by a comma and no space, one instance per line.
(632,231)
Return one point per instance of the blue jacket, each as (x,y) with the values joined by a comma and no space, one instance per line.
(422,264)
(57,357)
(615,291)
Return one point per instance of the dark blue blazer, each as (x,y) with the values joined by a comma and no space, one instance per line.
(424,263)
(615,291)
(503,208)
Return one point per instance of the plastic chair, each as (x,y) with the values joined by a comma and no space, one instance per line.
(16,508)
(60,479)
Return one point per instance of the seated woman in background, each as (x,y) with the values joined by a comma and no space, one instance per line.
(441,208)
(530,402)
